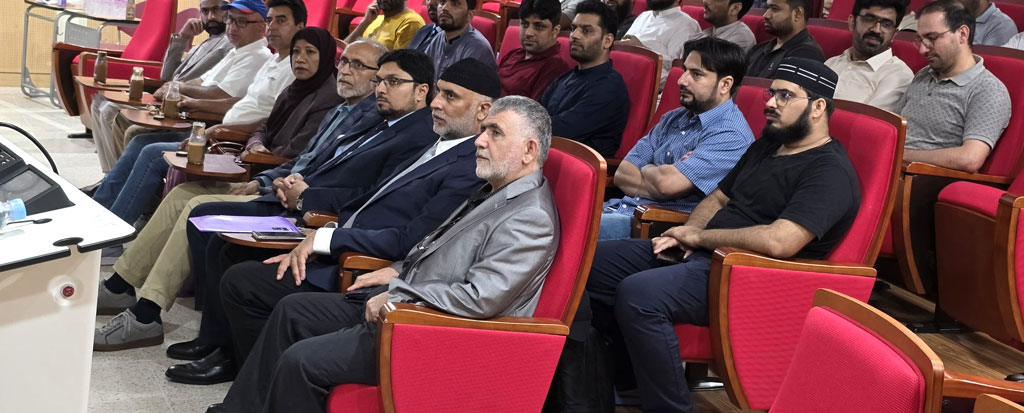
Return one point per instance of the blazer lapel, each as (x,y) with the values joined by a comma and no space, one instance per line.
(443,160)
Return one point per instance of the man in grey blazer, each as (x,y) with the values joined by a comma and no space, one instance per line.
(489,258)
(202,58)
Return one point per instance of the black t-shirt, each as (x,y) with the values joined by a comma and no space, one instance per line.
(817,189)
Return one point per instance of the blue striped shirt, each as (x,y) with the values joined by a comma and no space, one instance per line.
(714,140)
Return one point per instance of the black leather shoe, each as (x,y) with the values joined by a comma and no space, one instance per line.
(215,408)
(212,369)
(1017,377)
(189,350)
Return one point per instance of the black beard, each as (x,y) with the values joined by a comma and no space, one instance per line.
(789,134)
(697,106)
(215,28)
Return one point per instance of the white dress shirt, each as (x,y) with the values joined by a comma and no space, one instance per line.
(664,32)
(234,74)
(275,75)
(879,81)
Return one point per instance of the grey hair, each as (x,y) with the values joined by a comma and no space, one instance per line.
(378,47)
(538,123)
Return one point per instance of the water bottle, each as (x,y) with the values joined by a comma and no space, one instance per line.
(12,210)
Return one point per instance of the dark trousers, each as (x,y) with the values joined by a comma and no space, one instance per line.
(313,341)
(634,293)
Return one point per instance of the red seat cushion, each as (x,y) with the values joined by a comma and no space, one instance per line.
(488,28)
(153,33)
(493,7)
(640,74)
(840,367)
(1006,156)
(697,12)
(354,398)
(975,197)
(750,100)
(832,40)
(694,342)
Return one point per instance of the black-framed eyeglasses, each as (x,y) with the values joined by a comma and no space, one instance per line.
(871,20)
(929,40)
(390,81)
(355,64)
(240,23)
(782,97)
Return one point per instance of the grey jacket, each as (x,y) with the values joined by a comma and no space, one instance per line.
(492,262)
(201,59)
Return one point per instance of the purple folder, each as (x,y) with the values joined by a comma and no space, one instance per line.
(230,223)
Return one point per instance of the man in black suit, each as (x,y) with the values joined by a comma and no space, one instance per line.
(385,221)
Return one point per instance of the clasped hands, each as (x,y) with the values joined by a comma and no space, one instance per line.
(686,238)
(288,189)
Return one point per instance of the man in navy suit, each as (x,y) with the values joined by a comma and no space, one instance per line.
(385,221)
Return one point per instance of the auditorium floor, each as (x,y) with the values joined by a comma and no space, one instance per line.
(133,380)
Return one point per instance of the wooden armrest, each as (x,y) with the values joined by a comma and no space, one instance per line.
(317,219)
(264,158)
(1011,200)
(404,313)
(360,262)
(969,386)
(736,256)
(232,135)
(111,52)
(348,12)
(659,214)
(131,62)
(921,168)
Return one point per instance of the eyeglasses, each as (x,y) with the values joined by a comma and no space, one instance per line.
(355,65)
(390,81)
(240,23)
(870,21)
(929,40)
(782,97)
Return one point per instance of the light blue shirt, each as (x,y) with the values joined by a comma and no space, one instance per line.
(994,27)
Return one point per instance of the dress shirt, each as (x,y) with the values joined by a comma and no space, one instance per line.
(199,60)
(423,37)
(469,44)
(736,32)
(589,106)
(994,27)
(764,58)
(275,75)
(395,32)
(531,77)
(879,81)
(665,32)
(704,148)
(234,74)
(322,240)
(319,140)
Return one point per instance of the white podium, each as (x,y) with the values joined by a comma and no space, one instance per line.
(49,273)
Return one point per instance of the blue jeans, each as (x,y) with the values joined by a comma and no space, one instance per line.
(134,181)
(615,225)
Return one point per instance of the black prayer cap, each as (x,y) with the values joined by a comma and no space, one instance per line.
(474,75)
(811,75)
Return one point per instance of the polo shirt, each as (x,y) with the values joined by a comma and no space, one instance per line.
(736,32)
(943,113)
(704,148)
(762,59)
(531,77)
(994,27)
(395,32)
(589,106)
(469,44)
(235,72)
(665,32)
(878,81)
(275,75)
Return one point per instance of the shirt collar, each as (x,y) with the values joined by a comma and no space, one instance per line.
(549,52)
(875,62)
(443,145)
(393,122)
(262,42)
(966,76)
(987,14)
(710,116)
(599,69)
(798,39)
(469,30)
(712,29)
(669,12)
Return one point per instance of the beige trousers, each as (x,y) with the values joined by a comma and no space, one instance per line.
(157,263)
(111,132)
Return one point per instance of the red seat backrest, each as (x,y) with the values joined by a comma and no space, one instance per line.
(750,100)
(840,10)
(1015,11)
(697,13)
(754,19)
(874,145)
(511,40)
(841,363)
(488,28)
(669,95)
(832,40)
(1007,65)
(577,183)
(904,48)
(564,50)
(319,13)
(154,31)
(639,6)
(642,74)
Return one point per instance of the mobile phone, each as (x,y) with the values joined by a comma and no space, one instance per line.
(278,236)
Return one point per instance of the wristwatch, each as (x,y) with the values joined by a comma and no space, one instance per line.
(298,203)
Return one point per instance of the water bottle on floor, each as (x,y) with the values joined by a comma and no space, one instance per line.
(12,210)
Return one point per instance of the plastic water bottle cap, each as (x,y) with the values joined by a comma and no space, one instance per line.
(17,209)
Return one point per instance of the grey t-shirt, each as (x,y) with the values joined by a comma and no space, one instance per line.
(944,113)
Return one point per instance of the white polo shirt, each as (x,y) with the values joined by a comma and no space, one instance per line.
(665,32)
(235,72)
(275,75)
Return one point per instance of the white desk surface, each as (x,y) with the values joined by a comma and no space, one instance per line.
(26,244)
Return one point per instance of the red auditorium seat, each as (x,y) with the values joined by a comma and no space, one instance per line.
(832,36)
(697,12)
(434,362)
(669,95)
(852,357)
(841,10)
(487,24)
(1015,11)
(145,49)
(904,48)
(320,13)
(922,182)
(348,14)
(757,304)
(641,70)
(511,39)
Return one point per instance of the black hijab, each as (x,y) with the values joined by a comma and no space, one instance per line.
(299,89)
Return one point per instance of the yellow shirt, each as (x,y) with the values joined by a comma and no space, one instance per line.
(395,32)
